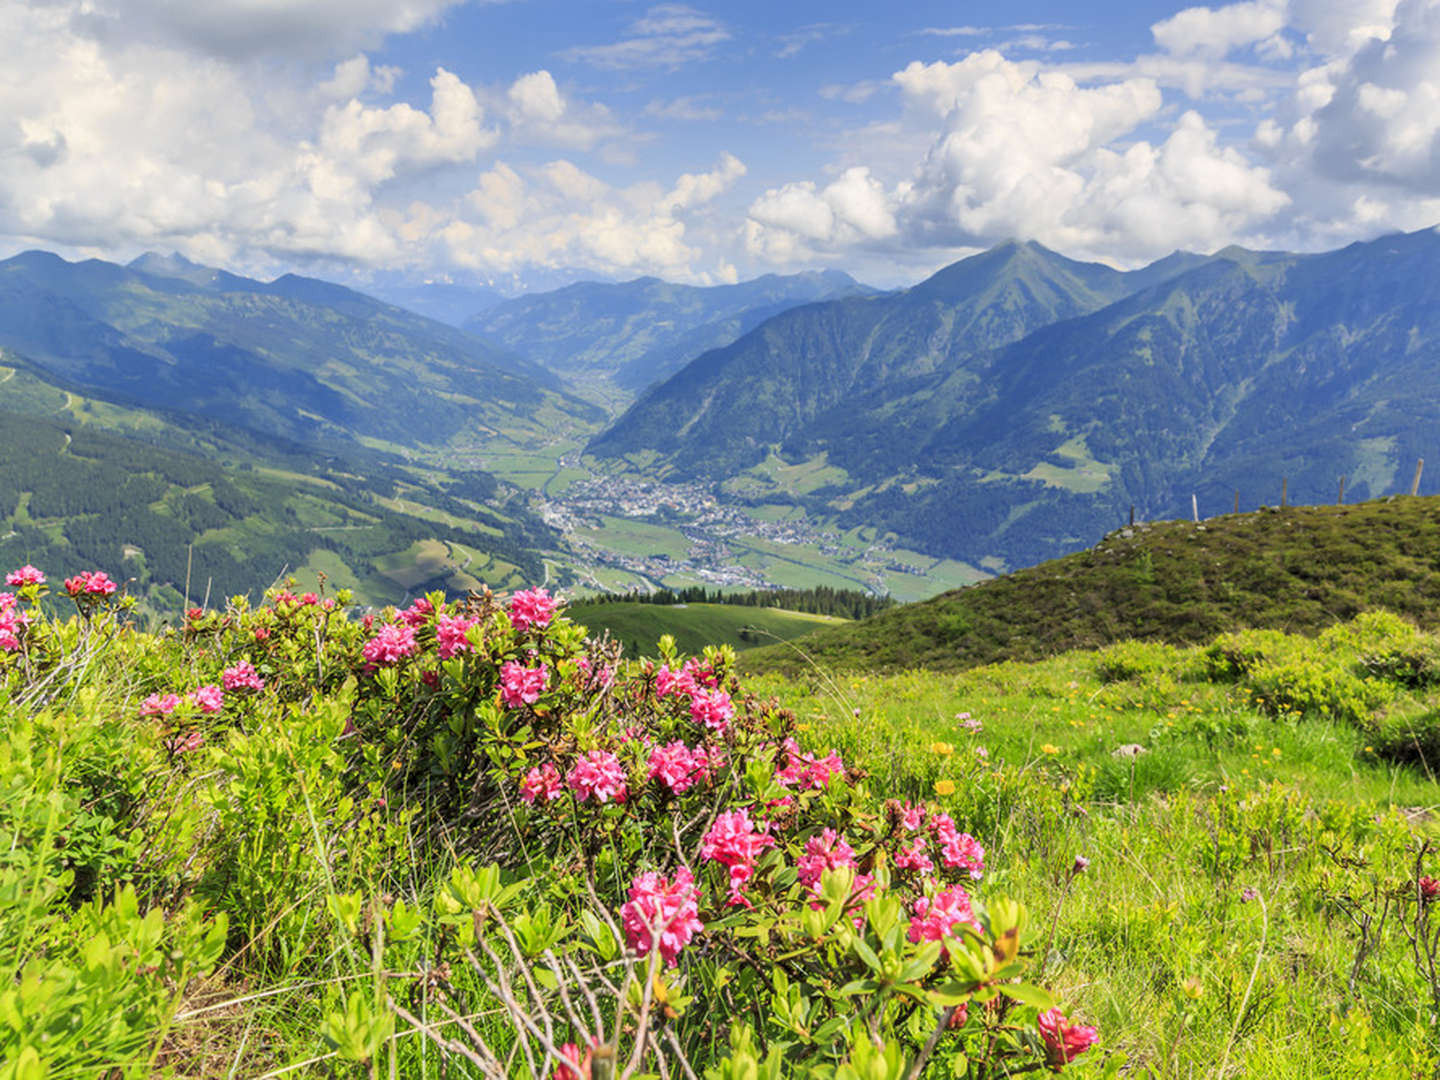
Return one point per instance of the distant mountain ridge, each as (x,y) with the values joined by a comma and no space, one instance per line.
(637,332)
(296,357)
(1011,407)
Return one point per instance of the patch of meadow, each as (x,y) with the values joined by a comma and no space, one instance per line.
(1256,817)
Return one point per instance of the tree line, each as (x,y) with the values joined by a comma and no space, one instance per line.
(820,600)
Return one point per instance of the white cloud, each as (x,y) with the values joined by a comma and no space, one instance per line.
(666,36)
(1218,31)
(1020,150)
(560,216)
(539,113)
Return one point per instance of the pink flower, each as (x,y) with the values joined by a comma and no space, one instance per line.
(391,644)
(969,723)
(598,773)
(242,677)
(541,782)
(668,682)
(1429,889)
(735,843)
(261,633)
(450,635)
(90,583)
(184,744)
(159,704)
(713,709)
(912,817)
(309,599)
(913,857)
(828,851)
(418,613)
(26,575)
(1064,1041)
(678,767)
(575,1067)
(7,601)
(805,771)
(701,673)
(210,699)
(672,908)
(935,918)
(532,607)
(520,685)
(958,850)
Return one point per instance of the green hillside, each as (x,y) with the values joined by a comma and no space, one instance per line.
(1299,569)
(640,626)
(76,494)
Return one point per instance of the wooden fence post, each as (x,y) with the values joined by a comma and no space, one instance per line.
(1237,500)
(1284,491)
(1341,500)
(1194,508)
(1419,468)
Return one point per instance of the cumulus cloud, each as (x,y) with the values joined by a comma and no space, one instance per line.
(560,216)
(1218,31)
(1020,150)
(539,113)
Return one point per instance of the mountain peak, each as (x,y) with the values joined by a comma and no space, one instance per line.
(174,266)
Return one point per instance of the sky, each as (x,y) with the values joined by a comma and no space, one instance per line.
(529,142)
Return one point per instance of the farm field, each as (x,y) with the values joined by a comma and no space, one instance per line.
(693,626)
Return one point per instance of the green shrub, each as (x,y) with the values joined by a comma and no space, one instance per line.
(1233,656)
(1127,660)
(1311,686)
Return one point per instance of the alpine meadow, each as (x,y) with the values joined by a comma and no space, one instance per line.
(679,541)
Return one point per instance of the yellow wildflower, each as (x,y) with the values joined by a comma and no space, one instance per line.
(944,787)
(1049,748)
(944,749)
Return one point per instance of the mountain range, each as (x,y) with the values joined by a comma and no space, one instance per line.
(1015,405)
(638,332)
(297,357)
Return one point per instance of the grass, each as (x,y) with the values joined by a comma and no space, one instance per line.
(1156,942)
(640,626)
(1298,569)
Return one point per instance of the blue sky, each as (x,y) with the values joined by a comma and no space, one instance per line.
(529,142)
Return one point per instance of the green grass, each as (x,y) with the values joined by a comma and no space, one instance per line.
(694,625)
(628,536)
(1300,569)
(1154,942)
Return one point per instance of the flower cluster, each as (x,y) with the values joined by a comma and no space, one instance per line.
(936,917)
(1429,889)
(391,644)
(541,782)
(679,767)
(803,770)
(958,851)
(598,775)
(208,699)
(26,575)
(91,583)
(532,608)
(735,842)
(12,622)
(520,685)
(242,676)
(657,904)
(450,639)
(1064,1041)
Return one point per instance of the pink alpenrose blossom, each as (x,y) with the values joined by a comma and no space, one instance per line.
(520,685)
(735,842)
(242,676)
(658,904)
(210,699)
(936,918)
(1064,1041)
(541,782)
(1429,889)
(532,607)
(26,575)
(391,644)
(598,775)
(450,638)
